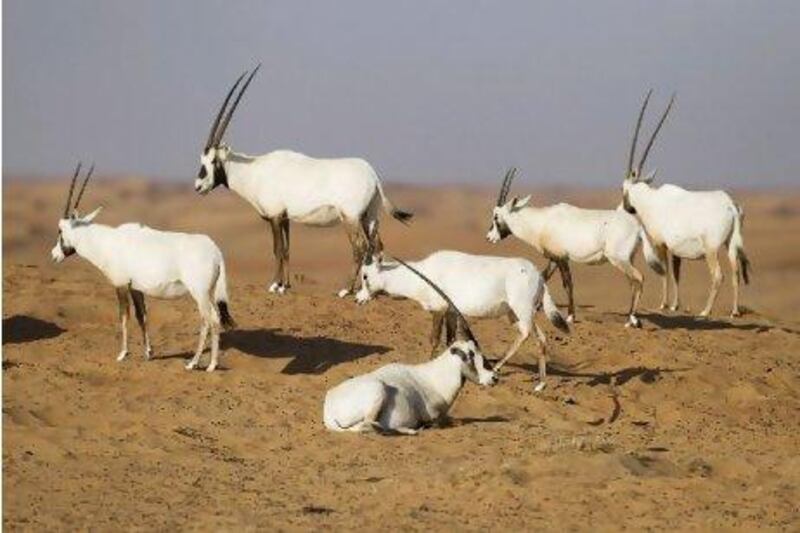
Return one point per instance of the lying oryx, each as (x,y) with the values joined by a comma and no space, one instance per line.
(139,260)
(286,186)
(482,286)
(686,224)
(402,398)
(564,233)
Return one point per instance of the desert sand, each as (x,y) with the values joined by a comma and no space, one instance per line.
(685,423)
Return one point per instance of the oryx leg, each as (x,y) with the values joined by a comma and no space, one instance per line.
(436,331)
(358,244)
(277,253)
(663,256)
(566,280)
(636,280)
(123,310)
(141,317)
(549,269)
(716,280)
(285,277)
(734,259)
(542,340)
(520,313)
(674,268)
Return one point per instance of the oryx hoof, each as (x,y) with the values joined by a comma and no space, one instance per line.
(736,313)
(570,319)
(148,354)
(663,307)
(191,365)
(674,308)
(276,287)
(540,386)
(211,367)
(342,293)
(122,355)
(633,322)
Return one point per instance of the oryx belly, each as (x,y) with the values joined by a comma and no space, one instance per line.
(165,289)
(325,215)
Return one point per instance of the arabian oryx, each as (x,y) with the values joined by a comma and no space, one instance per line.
(138,260)
(564,233)
(286,186)
(400,398)
(482,286)
(685,224)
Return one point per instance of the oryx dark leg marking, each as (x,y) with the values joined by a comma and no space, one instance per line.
(549,269)
(358,243)
(141,317)
(284,225)
(450,327)
(566,280)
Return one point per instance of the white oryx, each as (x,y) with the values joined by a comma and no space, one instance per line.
(286,186)
(564,233)
(686,224)
(481,286)
(139,261)
(400,398)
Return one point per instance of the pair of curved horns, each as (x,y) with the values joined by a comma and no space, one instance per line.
(217,129)
(72,188)
(462,324)
(505,187)
(638,168)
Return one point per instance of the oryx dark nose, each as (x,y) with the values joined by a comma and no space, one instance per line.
(202,173)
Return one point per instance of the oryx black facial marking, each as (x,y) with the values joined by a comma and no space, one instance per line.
(65,249)
(502,228)
(220,176)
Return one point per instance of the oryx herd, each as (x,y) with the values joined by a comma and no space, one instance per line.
(669,224)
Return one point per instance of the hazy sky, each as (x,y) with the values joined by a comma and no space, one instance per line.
(427,91)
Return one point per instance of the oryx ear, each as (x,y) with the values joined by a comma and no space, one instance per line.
(517,203)
(650,177)
(91,216)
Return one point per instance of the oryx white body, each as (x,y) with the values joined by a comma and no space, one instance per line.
(691,225)
(480,286)
(563,233)
(284,186)
(685,224)
(138,260)
(404,398)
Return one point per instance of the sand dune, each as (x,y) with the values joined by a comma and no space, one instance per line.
(685,423)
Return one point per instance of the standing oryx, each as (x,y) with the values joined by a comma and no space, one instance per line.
(483,286)
(139,260)
(564,233)
(685,224)
(286,186)
(402,398)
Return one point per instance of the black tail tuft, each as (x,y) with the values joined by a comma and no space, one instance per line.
(225,317)
(744,266)
(403,216)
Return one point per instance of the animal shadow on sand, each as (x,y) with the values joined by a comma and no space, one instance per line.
(310,355)
(616,378)
(22,328)
(697,323)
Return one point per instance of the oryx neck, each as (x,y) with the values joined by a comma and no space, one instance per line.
(93,242)
(443,376)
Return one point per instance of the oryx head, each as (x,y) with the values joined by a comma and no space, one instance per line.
(65,245)
(634,173)
(465,347)
(212,161)
(499,229)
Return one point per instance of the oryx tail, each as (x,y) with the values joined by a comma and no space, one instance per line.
(553,314)
(736,245)
(221,298)
(650,256)
(399,214)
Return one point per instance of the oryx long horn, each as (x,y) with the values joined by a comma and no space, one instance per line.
(636,132)
(462,322)
(71,189)
(655,133)
(83,187)
(506,185)
(212,135)
(228,117)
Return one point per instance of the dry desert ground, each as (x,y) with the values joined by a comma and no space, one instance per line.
(683,424)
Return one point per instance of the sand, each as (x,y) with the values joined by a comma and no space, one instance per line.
(685,423)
